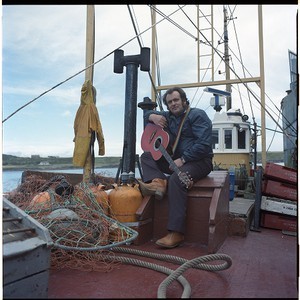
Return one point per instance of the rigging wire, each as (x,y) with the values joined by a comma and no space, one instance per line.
(172,21)
(273,134)
(220,36)
(91,65)
(140,43)
(203,15)
(158,95)
(135,25)
(137,35)
(239,92)
(203,90)
(221,56)
(244,68)
(250,90)
(181,28)
(242,64)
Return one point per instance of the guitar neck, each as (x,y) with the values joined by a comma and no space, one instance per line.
(169,159)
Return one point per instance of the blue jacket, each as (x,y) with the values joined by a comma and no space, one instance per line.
(195,141)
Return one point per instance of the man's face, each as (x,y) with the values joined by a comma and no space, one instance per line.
(175,103)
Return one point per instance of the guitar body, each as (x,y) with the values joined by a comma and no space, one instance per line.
(155,140)
(152,135)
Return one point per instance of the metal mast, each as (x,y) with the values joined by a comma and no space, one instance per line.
(228,82)
(226,58)
(262,87)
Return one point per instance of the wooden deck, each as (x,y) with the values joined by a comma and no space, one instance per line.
(264,266)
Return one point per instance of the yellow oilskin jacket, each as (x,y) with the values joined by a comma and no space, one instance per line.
(86,121)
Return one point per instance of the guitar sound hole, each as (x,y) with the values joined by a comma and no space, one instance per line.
(157,143)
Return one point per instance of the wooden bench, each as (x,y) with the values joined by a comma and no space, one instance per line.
(207,218)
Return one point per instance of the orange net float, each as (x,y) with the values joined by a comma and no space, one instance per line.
(124,201)
(101,197)
(41,201)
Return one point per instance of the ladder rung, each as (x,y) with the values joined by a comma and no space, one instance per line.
(204,55)
(207,28)
(204,16)
(202,69)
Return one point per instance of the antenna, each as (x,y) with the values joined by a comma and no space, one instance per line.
(218,99)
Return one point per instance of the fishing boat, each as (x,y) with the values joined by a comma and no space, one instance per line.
(241,238)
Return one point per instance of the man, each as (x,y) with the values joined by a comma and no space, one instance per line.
(193,155)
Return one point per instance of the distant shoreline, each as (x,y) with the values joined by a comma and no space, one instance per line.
(50,167)
(35,162)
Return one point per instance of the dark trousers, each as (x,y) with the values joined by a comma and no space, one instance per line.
(177,192)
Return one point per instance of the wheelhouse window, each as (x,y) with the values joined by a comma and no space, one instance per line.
(228,138)
(215,139)
(242,139)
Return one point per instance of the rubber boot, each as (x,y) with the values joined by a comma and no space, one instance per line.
(157,188)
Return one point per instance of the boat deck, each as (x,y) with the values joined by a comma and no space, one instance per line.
(264,265)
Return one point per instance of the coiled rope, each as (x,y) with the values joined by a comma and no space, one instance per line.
(162,289)
(197,263)
(140,263)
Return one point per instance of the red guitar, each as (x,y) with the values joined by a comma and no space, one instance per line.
(155,140)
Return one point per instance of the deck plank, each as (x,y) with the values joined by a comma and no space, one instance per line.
(264,266)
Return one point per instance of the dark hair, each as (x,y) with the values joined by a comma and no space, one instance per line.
(175,89)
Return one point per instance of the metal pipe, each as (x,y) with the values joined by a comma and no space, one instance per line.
(130,118)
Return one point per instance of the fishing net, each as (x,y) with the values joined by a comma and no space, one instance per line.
(79,219)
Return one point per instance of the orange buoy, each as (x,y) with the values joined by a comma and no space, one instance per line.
(124,201)
(41,201)
(101,197)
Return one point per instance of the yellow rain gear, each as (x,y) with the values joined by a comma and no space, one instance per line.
(86,121)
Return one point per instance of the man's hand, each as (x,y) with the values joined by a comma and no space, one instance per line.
(178,162)
(158,120)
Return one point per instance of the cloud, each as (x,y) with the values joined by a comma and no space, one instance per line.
(66,113)
(44,45)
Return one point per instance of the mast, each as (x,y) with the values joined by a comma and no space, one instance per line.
(89,74)
(228,82)
(90,42)
(262,88)
(226,58)
(153,53)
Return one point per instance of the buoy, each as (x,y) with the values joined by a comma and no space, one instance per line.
(124,201)
(41,201)
(101,197)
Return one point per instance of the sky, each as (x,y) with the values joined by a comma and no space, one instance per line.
(43,46)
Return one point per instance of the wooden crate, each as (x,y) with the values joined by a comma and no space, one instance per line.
(207,215)
(241,213)
(277,205)
(279,190)
(280,173)
(278,221)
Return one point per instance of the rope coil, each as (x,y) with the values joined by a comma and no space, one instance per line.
(85,238)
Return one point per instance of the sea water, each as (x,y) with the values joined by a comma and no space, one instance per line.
(11,179)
